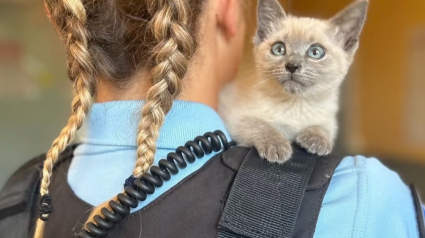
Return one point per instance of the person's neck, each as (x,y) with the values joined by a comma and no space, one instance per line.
(199,86)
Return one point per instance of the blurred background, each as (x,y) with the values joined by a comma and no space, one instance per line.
(382,104)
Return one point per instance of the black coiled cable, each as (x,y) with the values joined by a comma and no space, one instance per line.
(198,148)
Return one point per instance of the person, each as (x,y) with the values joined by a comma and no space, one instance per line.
(155,69)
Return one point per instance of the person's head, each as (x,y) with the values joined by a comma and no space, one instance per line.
(144,49)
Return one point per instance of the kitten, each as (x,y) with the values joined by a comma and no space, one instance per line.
(301,63)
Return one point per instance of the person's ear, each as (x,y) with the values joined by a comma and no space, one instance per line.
(228,17)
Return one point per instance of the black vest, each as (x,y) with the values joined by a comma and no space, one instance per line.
(235,194)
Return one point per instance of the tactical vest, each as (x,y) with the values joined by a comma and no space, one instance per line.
(235,194)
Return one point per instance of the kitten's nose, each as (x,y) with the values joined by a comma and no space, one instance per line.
(292,67)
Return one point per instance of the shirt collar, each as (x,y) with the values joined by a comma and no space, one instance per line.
(115,123)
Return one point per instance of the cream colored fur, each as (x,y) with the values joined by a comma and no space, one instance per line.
(270,110)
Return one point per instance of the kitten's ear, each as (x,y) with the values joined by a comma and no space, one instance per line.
(270,13)
(350,23)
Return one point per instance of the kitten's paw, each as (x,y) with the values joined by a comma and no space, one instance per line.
(314,142)
(275,151)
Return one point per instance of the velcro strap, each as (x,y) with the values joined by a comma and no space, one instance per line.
(265,198)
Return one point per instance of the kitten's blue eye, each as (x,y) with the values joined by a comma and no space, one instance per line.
(279,49)
(316,52)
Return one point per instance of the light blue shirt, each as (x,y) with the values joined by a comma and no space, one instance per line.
(107,155)
(364,199)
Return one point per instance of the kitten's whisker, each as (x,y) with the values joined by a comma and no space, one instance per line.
(310,73)
(259,83)
(309,77)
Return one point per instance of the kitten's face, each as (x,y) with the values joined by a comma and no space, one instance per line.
(303,56)
(306,56)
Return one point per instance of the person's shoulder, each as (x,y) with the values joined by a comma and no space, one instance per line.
(367,199)
(33,164)
(15,194)
(374,174)
(36,163)
(373,178)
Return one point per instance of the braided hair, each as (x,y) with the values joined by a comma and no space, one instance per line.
(110,40)
(81,72)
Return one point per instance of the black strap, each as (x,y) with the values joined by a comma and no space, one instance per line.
(19,190)
(419,211)
(18,198)
(313,197)
(265,198)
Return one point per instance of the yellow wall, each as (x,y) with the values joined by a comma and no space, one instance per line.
(384,60)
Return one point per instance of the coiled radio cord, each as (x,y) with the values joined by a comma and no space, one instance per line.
(202,145)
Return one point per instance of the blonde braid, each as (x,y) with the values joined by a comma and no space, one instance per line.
(175,47)
(171,56)
(81,72)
